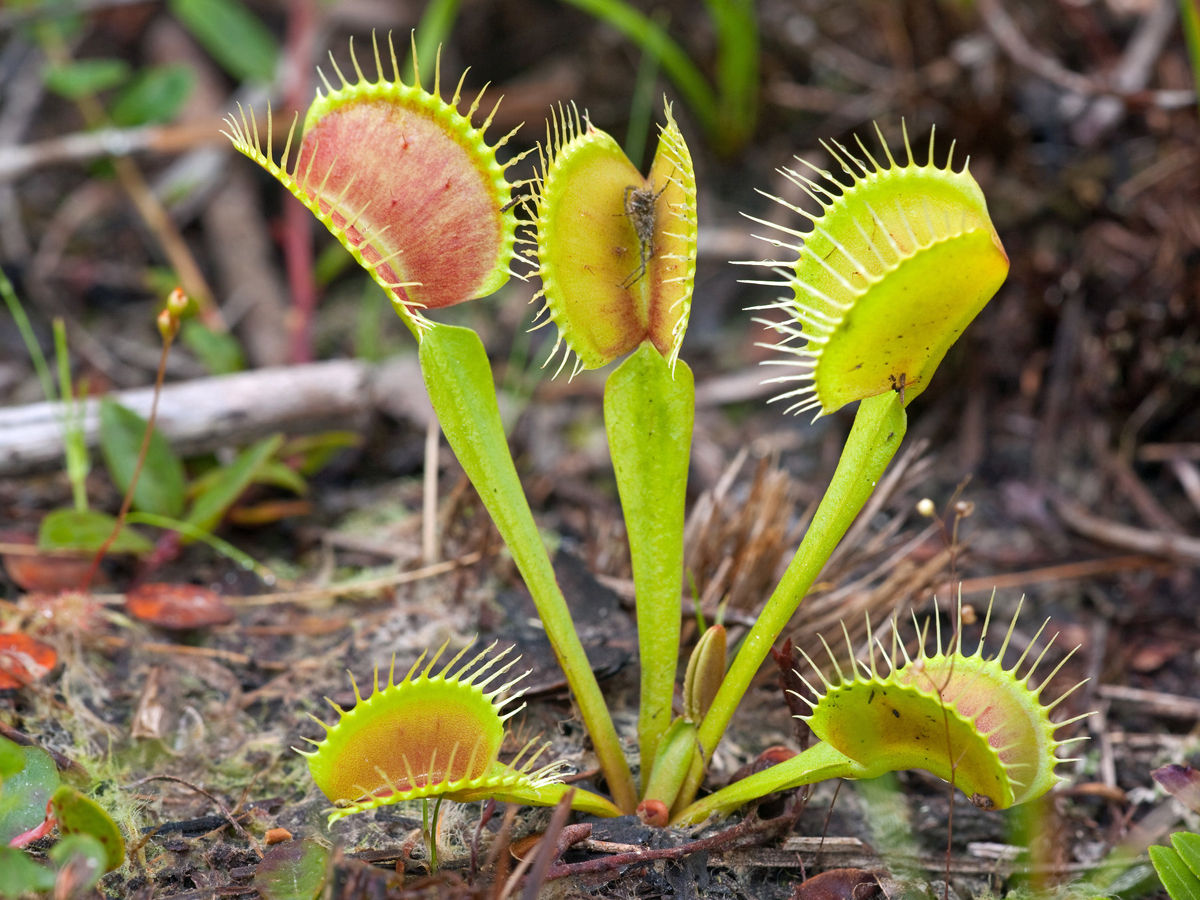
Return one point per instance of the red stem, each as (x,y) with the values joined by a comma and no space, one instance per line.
(33,834)
(127,501)
(297,235)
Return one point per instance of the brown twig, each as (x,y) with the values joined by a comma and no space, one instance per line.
(749,829)
(1072,571)
(372,585)
(549,848)
(1157,703)
(1189,479)
(1060,382)
(243,255)
(229,816)
(297,234)
(1097,722)
(1008,35)
(85,146)
(153,213)
(1164,545)
(1128,485)
(1167,452)
(177,650)
(499,858)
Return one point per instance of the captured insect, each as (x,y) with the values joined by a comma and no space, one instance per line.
(640,210)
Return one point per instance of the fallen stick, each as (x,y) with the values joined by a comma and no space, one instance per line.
(207,413)
(1174,547)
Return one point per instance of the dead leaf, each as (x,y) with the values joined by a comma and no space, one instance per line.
(1154,654)
(838,884)
(1182,782)
(179,607)
(46,572)
(149,717)
(24,660)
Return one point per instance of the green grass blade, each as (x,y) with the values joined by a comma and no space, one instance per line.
(737,69)
(234,36)
(432,31)
(641,107)
(210,507)
(32,347)
(79,463)
(1189,12)
(647,35)
(192,533)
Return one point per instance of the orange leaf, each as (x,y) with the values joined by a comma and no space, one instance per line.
(24,660)
(177,606)
(42,571)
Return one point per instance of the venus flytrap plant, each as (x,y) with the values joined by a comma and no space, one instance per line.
(407,183)
(458,378)
(616,251)
(617,261)
(413,190)
(896,262)
(435,735)
(894,266)
(964,717)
